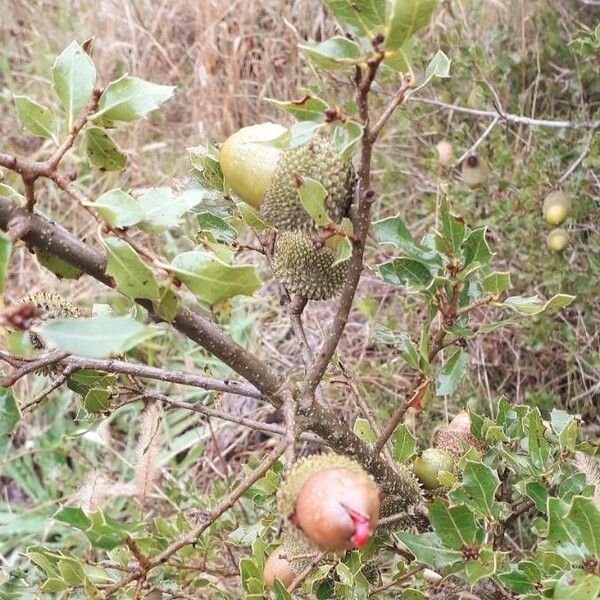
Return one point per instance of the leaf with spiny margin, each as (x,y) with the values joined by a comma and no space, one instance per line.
(95,338)
(163,207)
(533,305)
(333,54)
(205,160)
(453,230)
(250,216)
(363,430)
(129,98)
(429,549)
(36,118)
(586,516)
(451,374)
(73,77)
(577,585)
(404,19)
(476,248)
(212,280)
(217,227)
(407,272)
(346,137)
(309,108)
(5,252)
(565,427)
(133,278)
(537,445)
(365,19)
(97,400)
(403,443)
(118,208)
(480,482)
(496,283)
(455,525)
(341,244)
(312,197)
(102,150)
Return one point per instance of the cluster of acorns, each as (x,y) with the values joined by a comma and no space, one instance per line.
(267,177)
(556,209)
(330,503)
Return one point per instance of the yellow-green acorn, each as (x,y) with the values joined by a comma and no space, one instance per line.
(557,240)
(248,160)
(473,172)
(428,466)
(556,208)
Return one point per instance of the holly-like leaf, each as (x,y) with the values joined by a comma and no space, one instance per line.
(405,18)
(216,226)
(346,137)
(97,400)
(95,338)
(537,445)
(118,208)
(309,108)
(586,515)
(406,272)
(212,280)
(453,230)
(403,443)
(205,160)
(496,283)
(36,118)
(73,76)
(480,482)
(312,197)
(363,430)
(102,150)
(455,525)
(429,549)
(533,305)
(163,207)
(5,252)
(577,585)
(365,19)
(451,374)
(129,98)
(132,276)
(476,248)
(333,54)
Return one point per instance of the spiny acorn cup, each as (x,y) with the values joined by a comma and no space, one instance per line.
(556,208)
(332,500)
(306,269)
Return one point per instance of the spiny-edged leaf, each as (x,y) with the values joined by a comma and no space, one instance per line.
(118,208)
(211,280)
(439,66)
(363,430)
(365,19)
(565,427)
(429,549)
(405,18)
(9,192)
(485,566)
(71,571)
(218,227)
(455,525)
(167,304)
(297,135)
(132,276)
(280,592)
(533,305)
(335,53)
(476,248)
(538,493)
(496,283)
(250,216)
(403,443)
(36,118)
(480,482)
(73,76)
(309,108)
(451,374)
(58,266)
(453,230)
(95,338)
(130,98)
(312,197)
(163,207)
(5,251)
(586,515)
(102,150)
(537,445)
(97,400)
(516,580)
(342,249)
(81,382)
(205,160)
(9,412)
(577,585)
(346,137)
(406,272)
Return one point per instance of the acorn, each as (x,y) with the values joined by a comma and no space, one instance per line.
(278,567)
(473,171)
(557,240)
(456,437)
(428,466)
(445,152)
(332,501)
(556,208)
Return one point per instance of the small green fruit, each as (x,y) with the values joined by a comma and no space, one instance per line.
(556,207)
(557,240)
(428,466)
(473,171)
(248,160)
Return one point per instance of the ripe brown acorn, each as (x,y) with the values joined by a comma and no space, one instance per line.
(456,437)
(278,566)
(337,509)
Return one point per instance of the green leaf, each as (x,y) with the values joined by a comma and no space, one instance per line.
(455,525)
(71,571)
(516,580)
(167,304)
(205,160)
(130,98)
(5,252)
(250,216)
(12,194)
(9,412)
(577,585)
(312,197)
(403,443)
(533,305)
(95,338)
(480,482)
(58,266)
(333,54)
(537,445)
(280,592)
(162,208)
(73,76)
(476,248)
(405,18)
(218,227)
(53,585)
(37,119)
(565,427)
(365,19)
(453,230)
(586,515)
(102,151)
(363,430)
(75,517)
(97,400)
(211,280)
(118,208)
(496,283)
(429,549)
(309,108)
(132,276)
(538,493)
(439,66)
(346,137)
(407,272)
(451,374)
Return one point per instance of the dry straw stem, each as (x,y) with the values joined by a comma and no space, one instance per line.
(147,451)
